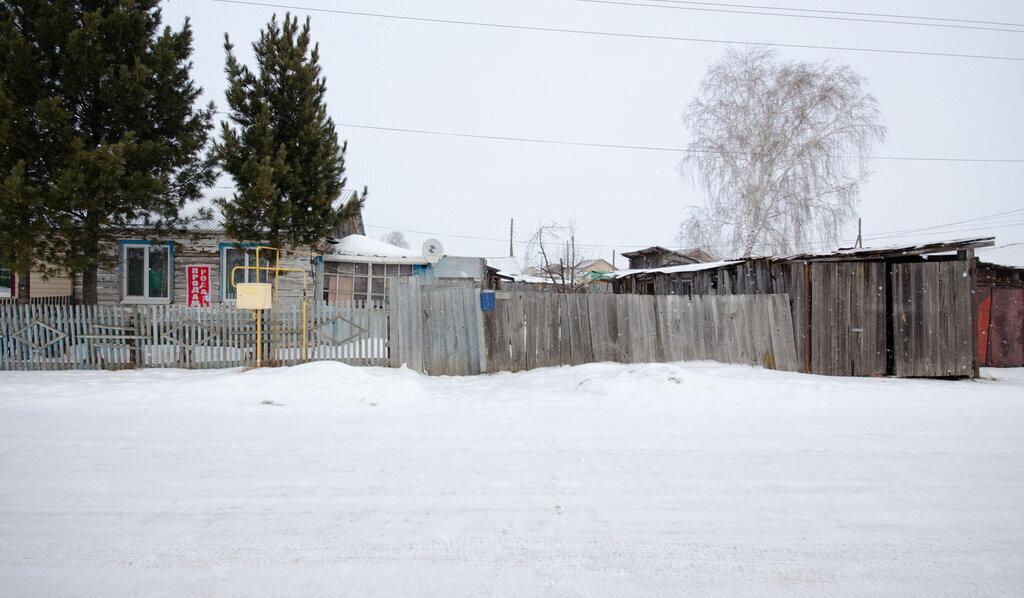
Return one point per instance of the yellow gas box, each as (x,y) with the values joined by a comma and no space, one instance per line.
(254,295)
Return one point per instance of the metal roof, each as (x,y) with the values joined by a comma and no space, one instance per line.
(205,215)
(893,251)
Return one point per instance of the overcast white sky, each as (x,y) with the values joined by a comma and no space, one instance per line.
(630,89)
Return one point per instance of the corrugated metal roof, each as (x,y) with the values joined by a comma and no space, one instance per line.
(864,253)
(205,215)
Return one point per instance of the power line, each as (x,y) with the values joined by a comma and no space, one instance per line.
(945,233)
(505,239)
(968,225)
(842,12)
(1003,215)
(741,10)
(929,231)
(501,138)
(619,34)
(652,148)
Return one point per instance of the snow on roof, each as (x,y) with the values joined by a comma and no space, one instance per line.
(1010,255)
(672,269)
(506,266)
(365,249)
(530,279)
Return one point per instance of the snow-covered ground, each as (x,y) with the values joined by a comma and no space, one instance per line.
(693,479)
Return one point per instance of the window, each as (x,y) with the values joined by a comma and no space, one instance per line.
(6,282)
(233,256)
(346,282)
(147,271)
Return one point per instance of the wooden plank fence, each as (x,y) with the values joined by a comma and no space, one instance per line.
(49,337)
(872,317)
(530,330)
(436,329)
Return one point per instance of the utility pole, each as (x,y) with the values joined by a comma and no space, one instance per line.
(511,228)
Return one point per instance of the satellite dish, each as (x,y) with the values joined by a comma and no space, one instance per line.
(432,251)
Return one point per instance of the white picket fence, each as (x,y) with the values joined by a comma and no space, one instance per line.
(56,337)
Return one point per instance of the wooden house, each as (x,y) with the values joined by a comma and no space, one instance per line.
(905,311)
(196,267)
(598,267)
(44,288)
(358,270)
(660,257)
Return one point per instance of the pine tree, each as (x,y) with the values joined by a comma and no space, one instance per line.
(23,230)
(280,147)
(99,129)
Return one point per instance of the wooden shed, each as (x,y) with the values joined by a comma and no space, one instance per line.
(903,311)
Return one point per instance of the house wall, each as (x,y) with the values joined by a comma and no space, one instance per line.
(53,286)
(599,266)
(204,249)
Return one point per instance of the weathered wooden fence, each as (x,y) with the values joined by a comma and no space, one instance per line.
(442,330)
(34,337)
(867,318)
(436,329)
(530,330)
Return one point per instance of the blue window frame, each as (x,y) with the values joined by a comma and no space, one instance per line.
(147,272)
(233,255)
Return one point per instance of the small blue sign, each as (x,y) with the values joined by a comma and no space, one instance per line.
(487,301)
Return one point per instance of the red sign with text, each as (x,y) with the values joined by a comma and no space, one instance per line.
(198,285)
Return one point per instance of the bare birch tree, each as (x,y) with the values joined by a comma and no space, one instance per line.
(781,150)
(552,249)
(396,238)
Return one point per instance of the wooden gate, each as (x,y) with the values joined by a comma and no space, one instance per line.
(436,329)
(848,324)
(932,319)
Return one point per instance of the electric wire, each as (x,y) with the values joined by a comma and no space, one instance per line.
(655,148)
(841,12)
(743,9)
(928,231)
(623,35)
